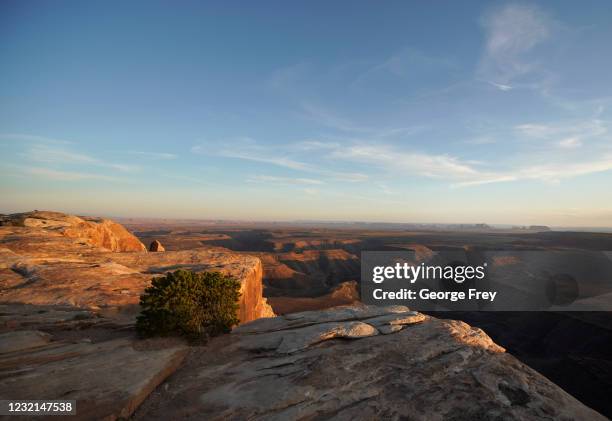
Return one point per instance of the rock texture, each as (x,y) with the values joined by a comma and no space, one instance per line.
(22,340)
(156,246)
(359,363)
(345,293)
(46,260)
(108,380)
(95,231)
(61,352)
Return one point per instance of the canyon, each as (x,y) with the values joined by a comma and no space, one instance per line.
(69,290)
(574,349)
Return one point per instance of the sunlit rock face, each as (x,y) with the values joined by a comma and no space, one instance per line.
(53,258)
(94,231)
(360,363)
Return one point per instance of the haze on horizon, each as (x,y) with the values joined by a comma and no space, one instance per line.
(466,112)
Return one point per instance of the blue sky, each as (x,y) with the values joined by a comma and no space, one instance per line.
(493,112)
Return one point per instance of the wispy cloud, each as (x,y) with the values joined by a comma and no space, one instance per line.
(33,138)
(501,86)
(155,155)
(283,180)
(570,143)
(566,135)
(329,119)
(512,32)
(249,150)
(60,155)
(415,163)
(550,173)
(58,175)
(280,161)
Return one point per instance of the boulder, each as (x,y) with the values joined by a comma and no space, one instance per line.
(156,246)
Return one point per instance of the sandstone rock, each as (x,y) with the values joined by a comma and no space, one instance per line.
(95,231)
(156,246)
(25,316)
(22,340)
(303,367)
(108,379)
(48,266)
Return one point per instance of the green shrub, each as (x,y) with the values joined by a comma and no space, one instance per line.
(195,305)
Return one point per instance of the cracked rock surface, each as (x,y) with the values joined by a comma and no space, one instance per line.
(358,362)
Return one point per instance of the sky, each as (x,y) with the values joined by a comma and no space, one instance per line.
(396,111)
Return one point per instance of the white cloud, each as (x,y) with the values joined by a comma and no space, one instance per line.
(570,143)
(283,180)
(558,171)
(512,32)
(311,191)
(351,177)
(155,155)
(486,180)
(566,135)
(280,161)
(44,153)
(501,86)
(249,150)
(423,164)
(60,155)
(58,175)
(32,138)
(551,173)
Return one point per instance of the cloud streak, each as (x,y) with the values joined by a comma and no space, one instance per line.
(283,180)
(155,155)
(58,175)
(512,33)
(56,155)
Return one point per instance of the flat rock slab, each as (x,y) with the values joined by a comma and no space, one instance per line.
(107,379)
(336,364)
(22,340)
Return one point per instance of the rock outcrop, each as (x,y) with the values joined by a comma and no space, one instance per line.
(94,231)
(156,246)
(359,363)
(108,375)
(46,265)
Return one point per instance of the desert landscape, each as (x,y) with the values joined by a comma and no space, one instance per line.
(308,210)
(70,287)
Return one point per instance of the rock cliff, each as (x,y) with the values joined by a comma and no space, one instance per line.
(362,363)
(51,258)
(95,231)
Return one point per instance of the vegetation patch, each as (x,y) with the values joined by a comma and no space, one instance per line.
(189,304)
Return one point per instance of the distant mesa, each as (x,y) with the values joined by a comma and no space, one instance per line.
(156,246)
(539,228)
